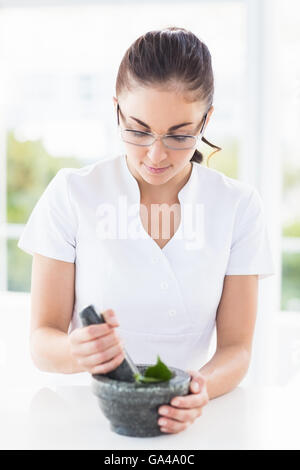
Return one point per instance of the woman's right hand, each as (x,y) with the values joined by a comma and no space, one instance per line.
(98,348)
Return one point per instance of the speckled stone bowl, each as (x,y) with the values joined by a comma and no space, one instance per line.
(132,408)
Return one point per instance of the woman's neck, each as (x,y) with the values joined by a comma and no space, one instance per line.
(167,192)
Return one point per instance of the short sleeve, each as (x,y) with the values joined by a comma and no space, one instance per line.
(250,251)
(52,225)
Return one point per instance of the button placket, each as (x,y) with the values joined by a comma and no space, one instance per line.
(180,313)
(164,285)
(172,312)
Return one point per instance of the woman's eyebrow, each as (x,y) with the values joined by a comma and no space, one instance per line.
(172,128)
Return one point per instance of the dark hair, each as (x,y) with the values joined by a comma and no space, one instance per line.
(170,56)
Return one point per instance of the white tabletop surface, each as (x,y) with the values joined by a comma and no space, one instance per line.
(68,417)
(40,410)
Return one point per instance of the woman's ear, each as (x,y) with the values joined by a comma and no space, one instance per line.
(209,113)
(115,101)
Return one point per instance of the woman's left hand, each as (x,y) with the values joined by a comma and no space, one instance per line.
(185,409)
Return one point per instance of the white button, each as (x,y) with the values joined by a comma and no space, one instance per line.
(164,285)
(154,260)
(172,312)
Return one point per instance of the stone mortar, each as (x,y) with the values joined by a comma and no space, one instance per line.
(132,408)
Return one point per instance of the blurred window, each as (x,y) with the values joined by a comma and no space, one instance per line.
(59,82)
(290,152)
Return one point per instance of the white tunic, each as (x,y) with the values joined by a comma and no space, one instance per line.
(165,299)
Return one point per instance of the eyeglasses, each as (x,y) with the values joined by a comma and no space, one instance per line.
(171,141)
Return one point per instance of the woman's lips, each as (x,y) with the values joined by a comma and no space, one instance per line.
(156,170)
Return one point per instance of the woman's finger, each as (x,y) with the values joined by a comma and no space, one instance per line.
(182,415)
(98,345)
(108,366)
(110,317)
(101,357)
(173,427)
(196,400)
(192,400)
(197,380)
(88,333)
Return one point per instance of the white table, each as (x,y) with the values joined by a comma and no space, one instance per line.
(52,411)
(41,410)
(68,417)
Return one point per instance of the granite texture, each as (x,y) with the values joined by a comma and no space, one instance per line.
(132,408)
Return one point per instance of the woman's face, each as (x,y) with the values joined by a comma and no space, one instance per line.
(159,110)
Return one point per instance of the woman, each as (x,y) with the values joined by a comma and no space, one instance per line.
(164,247)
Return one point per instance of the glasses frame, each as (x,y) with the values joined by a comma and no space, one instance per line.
(161,136)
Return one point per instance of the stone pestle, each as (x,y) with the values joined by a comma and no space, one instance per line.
(127,369)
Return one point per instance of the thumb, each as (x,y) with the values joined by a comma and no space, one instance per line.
(110,317)
(197,382)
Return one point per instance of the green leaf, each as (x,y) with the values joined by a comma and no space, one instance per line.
(142,378)
(157,373)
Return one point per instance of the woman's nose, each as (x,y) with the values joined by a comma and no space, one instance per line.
(157,152)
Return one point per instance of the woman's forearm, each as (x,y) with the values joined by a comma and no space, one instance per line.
(225,370)
(50,351)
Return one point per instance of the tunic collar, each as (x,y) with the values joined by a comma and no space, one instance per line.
(186,193)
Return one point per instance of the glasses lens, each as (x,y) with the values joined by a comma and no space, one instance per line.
(176,142)
(136,137)
(180,142)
